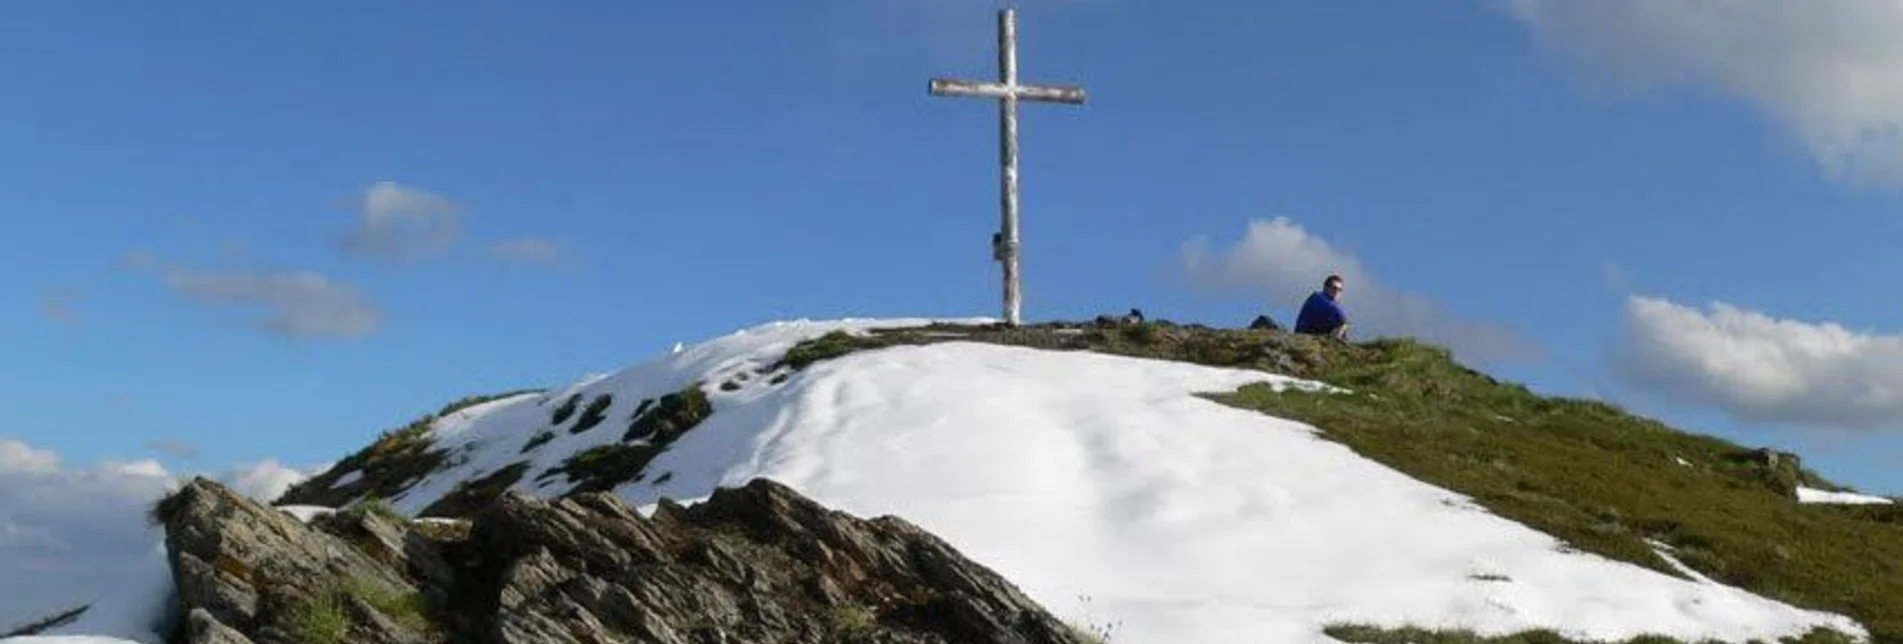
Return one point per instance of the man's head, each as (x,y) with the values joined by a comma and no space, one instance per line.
(1332,286)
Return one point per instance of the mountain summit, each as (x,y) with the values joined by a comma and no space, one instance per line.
(1186,484)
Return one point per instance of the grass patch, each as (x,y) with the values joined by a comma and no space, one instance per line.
(377,507)
(596,412)
(470,496)
(319,620)
(1602,480)
(603,467)
(324,618)
(670,417)
(406,608)
(825,347)
(566,410)
(1596,477)
(853,620)
(397,458)
(537,440)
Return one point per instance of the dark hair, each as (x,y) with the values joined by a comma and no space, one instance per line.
(1332,279)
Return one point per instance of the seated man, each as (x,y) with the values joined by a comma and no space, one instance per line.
(1321,315)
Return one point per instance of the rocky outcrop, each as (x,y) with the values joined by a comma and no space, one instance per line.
(757,564)
(263,573)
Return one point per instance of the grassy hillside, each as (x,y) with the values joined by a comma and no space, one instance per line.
(1598,478)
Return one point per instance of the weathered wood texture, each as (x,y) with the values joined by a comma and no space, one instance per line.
(1007,91)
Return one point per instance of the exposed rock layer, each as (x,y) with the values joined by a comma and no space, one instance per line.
(757,564)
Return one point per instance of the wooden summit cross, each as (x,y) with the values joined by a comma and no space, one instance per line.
(1004,244)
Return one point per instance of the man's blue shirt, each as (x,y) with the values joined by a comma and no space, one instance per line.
(1319,314)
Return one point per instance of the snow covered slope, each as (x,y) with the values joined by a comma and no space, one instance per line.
(1107,490)
(1811,495)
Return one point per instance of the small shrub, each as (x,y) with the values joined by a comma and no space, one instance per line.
(405,608)
(472,495)
(603,467)
(671,417)
(537,440)
(562,413)
(853,620)
(596,412)
(375,506)
(1144,333)
(825,347)
(162,511)
(319,620)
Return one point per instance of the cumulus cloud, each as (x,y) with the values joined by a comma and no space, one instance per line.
(266,480)
(527,250)
(294,304)
(1826,70)
(70,534)
(398,222)
(1280,261)
(1759,368)
(67,534)
(299,304)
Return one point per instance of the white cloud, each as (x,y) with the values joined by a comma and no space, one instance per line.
(1826,70)
(401,223)
(528,250)
(298,304)
(1280,261)
(1758,368)
(66,534)
(19,457)
(266,480)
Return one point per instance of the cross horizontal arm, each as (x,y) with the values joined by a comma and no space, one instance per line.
(1070,94)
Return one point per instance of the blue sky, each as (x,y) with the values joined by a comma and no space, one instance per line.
(1560,192)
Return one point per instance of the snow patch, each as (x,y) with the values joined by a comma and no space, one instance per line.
(1810,495)
(1104,485)
(306,513)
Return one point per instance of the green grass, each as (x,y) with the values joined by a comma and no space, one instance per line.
(670,417)
(319,620)
(1590,474)
(567,409)
(1602,480)
(375,506)
(596,412)
(397,458)
(537,440)
(324,619)
(853,620)
(470,496)
(604,467)
(405,608)
(825,347)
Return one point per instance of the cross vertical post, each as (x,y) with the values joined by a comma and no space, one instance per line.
(1004,244)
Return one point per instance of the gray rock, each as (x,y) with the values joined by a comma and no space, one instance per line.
(758,564)
(202,628)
